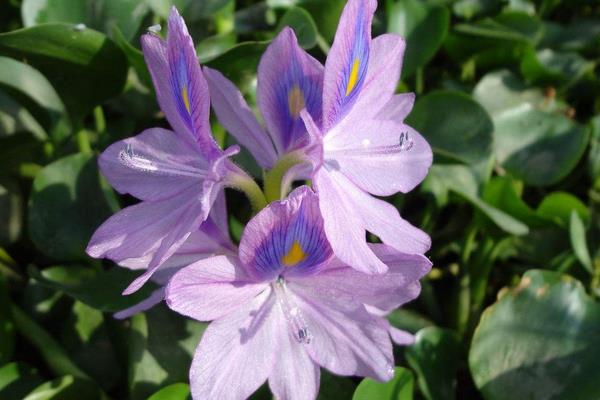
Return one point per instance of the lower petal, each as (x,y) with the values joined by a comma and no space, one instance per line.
(156,297)
(237,353)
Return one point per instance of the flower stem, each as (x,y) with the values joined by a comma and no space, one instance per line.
(252,191)
(273,178)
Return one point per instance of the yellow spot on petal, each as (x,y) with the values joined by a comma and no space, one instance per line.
(186,99)
(353,78)
(294,255)
(295,101)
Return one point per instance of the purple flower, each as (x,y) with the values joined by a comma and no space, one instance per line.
(211,239)
(357,143)
(287,306)
(177,175)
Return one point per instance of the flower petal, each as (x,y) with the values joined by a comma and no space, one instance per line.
(181,89)
(289,80)
(398,107)
(348,60)
(381,157)
(295,375)
(154,165)
(288,234)
(237,118)
(346,339)
(237,352)
(156,297)
(211,288)
(384,291)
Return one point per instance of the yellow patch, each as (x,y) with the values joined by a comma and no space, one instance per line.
(353,78)
(186,99)
(295,101)
(294,255)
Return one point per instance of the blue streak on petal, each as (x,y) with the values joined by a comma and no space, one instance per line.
(182,91)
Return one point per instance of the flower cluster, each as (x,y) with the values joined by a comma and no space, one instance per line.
(304,289)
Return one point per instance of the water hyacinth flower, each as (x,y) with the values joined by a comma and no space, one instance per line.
(177,175)
(287,306)
(353,142)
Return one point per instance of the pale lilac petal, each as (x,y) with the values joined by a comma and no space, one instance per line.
(383,74)
(156,297)
(288,234)
(211,288)
(153,165)
(345,338)
(237,118)
(384,291)
(295,375)
(400,337)
(398,107)
(237,352)
(289,80)
(343,226)
(138,230)
(382,157)
(348,60)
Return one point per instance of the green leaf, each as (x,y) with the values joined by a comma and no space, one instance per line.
(333,387)
(469,8)
(160,346)
(17,150)
(100,289)
(66,388)
(434,358)
(11,212)
(538,341)
(594,155)
(544,67)
(134,57)
(557,207)
(176,391)
(326,15)
(399,388)
(15,118)
(579,242)
(240,62)
(66,206)
(455,126)
(85,67)
(7,328)
(303,25)
(537,147)
(424,28)
(52,353)
(214,46)
(17,379)
(126,14)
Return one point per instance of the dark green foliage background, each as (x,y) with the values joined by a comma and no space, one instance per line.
(508,95)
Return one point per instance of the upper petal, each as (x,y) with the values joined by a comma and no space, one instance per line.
(211,288)
(398,107)
(181,89)
(289,80)
(381,157)
(288,234)
(237,118)
(237,352)
(154,165)
(348,60)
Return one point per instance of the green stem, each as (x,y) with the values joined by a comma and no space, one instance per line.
(419,81)
(83,142)
(322,43)
(99,119)
(252,191)
(274,177)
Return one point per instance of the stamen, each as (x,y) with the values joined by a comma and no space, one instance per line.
(137,162)
(292,312)
(406,142)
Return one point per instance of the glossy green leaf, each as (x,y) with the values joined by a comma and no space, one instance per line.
(579,241)
(537,341)
(126,14)
(549,67)
(15,118)
(557,207)
(398,388)
(160,345)
(134,57)
(176,391)
(434,358)
(424,28)
(17,380)
(537,147)
(66,388)
(214,46)
(100,289)
(66,206)
(240,62)
(326,15)
(469,8)
(303,25)
(85,67)
(455,126)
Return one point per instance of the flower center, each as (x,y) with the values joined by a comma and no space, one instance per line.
(294,255)
(291,312)
(295,101)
